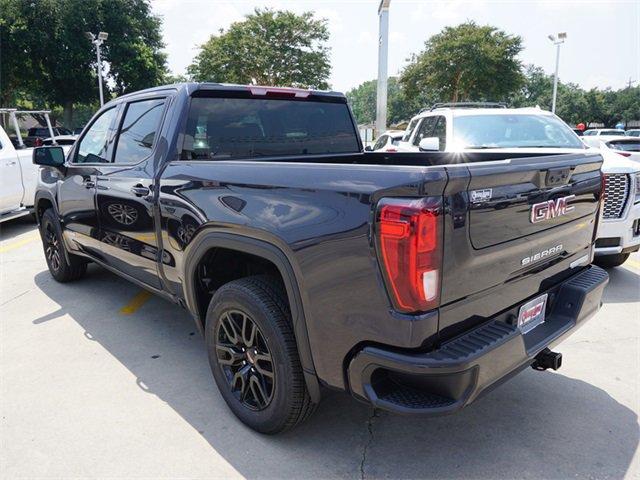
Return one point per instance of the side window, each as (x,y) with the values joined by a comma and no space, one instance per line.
(409,131)
(426,129)
(380,143)
(93,146)
(440,131)
(138,130)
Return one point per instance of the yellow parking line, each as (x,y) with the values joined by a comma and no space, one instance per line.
(633,263)
(135,303)
(20,243)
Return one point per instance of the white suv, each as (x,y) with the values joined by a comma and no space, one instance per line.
(487,126)
(473,127)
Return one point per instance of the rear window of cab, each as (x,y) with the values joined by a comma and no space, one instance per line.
(234,128)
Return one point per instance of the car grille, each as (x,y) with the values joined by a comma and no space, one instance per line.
(616,193)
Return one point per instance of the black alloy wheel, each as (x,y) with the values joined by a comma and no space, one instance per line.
(63,265)
(253,354)
(52,248)
(245,360)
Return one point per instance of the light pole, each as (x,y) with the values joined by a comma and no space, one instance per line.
(98,41)
(557,42)
(383,53)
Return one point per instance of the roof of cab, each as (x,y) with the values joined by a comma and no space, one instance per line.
(192,87)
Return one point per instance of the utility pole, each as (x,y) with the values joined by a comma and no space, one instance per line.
(383,54)
(630,83)
(557,42)
(98,41)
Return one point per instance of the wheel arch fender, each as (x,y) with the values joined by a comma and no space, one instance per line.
(206,240)
(44,197)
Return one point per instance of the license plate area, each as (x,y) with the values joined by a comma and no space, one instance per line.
(532,313)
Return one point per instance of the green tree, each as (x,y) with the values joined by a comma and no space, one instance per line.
(269,48)
(466,63)
(47,58)
(537,90)
(400,107)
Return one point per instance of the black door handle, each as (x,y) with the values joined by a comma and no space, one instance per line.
(140,191)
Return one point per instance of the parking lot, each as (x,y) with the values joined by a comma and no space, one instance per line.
(100,379)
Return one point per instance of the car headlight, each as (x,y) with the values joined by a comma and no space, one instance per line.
(637,189)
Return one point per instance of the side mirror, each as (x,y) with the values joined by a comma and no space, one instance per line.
(429,144)
(368,148)
(48,156)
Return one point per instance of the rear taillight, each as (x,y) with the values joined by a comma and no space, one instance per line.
(392,150)
(624,154)
(38,142)
(410,250)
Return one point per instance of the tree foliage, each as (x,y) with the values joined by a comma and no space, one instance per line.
(574,104)
(269,48)
(399,107)
(466,62)
(47,60)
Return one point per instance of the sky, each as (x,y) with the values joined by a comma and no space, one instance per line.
(602,48)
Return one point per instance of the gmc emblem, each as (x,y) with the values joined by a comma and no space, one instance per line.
(551,209)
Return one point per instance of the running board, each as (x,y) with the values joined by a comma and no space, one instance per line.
(14,214)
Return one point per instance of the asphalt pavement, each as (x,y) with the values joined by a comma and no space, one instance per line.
(100,379)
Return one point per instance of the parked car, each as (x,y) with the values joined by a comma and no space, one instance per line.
(534,131)
(18,179)
(19,176)
(473,128)
(413,281)
(37,135)
(593,136)
(60,140)
(627,147)
(633,132)
(387,142)
(619,231)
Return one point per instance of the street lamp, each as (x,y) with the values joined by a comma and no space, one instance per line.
(557,42)
(98,41)
(383,53)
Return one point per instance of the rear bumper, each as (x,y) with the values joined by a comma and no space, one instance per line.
(447,379)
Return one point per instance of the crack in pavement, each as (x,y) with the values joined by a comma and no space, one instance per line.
(13,298)
(367,445)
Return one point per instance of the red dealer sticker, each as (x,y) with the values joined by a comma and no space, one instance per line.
(532,313)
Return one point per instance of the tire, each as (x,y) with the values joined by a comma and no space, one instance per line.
(270,396)
(61,269)
(610,261)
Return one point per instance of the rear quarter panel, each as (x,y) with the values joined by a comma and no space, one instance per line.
(320,216)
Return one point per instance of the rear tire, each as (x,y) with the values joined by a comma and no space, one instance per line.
(61,269)
(253,355)
(610,261)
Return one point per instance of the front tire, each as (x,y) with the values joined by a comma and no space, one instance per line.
(61,269)
(253,355)
(611,261)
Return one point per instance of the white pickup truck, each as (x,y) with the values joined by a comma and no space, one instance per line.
(18,179)
(18,174)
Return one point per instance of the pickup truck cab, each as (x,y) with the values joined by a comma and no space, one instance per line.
(414,281)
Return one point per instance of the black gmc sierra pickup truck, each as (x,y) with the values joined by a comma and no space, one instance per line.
(414,281)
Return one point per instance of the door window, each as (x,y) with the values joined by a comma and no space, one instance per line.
(138,131)
(440,131)
(380,143)
(410,128)
(425,130)
(93,146)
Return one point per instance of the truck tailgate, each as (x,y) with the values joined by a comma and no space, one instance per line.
(514,228)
